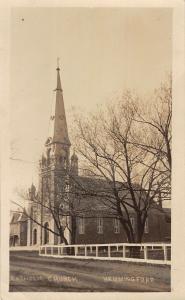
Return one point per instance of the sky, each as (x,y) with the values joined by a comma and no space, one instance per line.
(102,51)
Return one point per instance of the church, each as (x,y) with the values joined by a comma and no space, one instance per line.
(60,212)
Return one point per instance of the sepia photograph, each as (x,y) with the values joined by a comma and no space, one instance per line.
(90,149)
(92,161)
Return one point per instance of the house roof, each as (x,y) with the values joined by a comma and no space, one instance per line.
(18,217)
(15,217)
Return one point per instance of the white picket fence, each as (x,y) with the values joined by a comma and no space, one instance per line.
(147,253)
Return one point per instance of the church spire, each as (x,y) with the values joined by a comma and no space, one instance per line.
(59,87)
(58,132)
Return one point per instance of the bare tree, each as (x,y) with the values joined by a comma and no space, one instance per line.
(157,138)
(157,121)
(120,146)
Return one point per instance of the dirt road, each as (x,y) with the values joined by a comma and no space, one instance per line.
(29,273)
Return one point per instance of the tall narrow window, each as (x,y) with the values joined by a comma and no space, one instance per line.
(65,163)
(116,225)
(48,155)
(81,225)
(132,220)
(35,236)
(100,225)
(46,233)
(146,229)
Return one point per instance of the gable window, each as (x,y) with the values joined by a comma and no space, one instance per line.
(116,225)
(146,229)
(81,225)
(132,220)
(100,225)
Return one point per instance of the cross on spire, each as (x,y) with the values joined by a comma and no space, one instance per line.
(58,75)
(58,59)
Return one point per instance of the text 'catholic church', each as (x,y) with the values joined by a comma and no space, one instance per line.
(57,213)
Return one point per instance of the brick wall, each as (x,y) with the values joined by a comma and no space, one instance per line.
(159,229)
(91,234)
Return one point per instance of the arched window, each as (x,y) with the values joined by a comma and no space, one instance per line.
(48,155)
(116,225)
(65,163)
(46,233)
(61,159)
(100,225)
(34,236)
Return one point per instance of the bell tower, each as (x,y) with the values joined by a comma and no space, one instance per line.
(55,162)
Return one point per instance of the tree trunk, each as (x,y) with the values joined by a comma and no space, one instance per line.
(62,237)
(129,234)
(135,250)
(73,233)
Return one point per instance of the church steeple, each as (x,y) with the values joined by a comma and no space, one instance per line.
(58,132)
(57,147)
(55,165)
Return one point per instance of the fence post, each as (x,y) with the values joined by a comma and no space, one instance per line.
(58,250)
(165,252)
(45,250)
(85,250)
(96,251)
(145,253)
(124,251)
(51,250)
(108,251)
(76,250)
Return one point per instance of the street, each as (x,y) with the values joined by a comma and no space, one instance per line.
(31,273)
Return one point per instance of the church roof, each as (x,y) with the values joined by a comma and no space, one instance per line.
(94,196)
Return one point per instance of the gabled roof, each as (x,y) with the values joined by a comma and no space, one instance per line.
(18,217)
(94,196)
(15,217)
